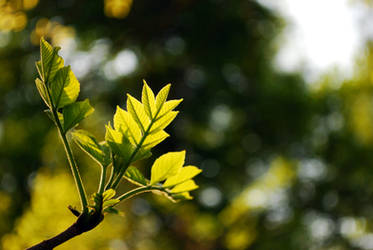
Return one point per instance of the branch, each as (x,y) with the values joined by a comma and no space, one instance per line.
(83,224)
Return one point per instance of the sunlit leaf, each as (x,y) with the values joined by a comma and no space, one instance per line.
(119,144)
(162,96)
(124,122)
(88,143)
(51,62)
(148,100)
(188,185)
(182,196)
(186,173)
(76,112)
(64,88)
(111,210)
(164,121)
(42,91)
(167,165)
(154,139)
(108,194)
(110,203)
(39,68)
(137,111)
(135,176)
(143,153)
(168,106)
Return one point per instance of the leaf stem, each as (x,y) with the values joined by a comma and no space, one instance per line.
(101,186)
(73,166)
(138,191)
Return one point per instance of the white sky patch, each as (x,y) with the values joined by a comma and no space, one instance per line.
(321,35)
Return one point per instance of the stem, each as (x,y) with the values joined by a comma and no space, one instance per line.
(73,166)
(111,178)
(101,187)
(139,190)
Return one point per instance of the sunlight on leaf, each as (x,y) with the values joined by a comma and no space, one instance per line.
(167,165)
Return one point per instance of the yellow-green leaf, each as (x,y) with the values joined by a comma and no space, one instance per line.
(133,175)
(124,122)
(162,96)
(186,186)
(148,100)
(108,194)
(154,139)
(87,142)
(110,203)
(164,121)
(167,165)
(51,62)
(64,88)
(183,175)
(137,111)
(168,106)
(42,91)
(39,68)
(182,196)
(118,143)
(76,112)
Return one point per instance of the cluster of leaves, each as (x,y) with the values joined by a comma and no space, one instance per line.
(134,133)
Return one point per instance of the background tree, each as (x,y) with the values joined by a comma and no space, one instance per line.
(292,163)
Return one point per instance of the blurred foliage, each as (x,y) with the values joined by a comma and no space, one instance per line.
(286,165)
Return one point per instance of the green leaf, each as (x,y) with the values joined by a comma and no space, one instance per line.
(188,185)
(108,194)
(168,106)
(167,165)
(88,143)
(137,111)
(110,203)
(133,175)
(124,122)
(154,139)
(148,100)
(39,68)
(182,196)
(118,143)
(183,175)
(64,88)
(111,210)
(164,121)
(76,112)
(51,62)
(51,116)
(162,96)
(42,91)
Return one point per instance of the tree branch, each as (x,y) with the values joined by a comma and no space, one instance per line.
(83,224)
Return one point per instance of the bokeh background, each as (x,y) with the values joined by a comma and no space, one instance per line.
(277,111)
